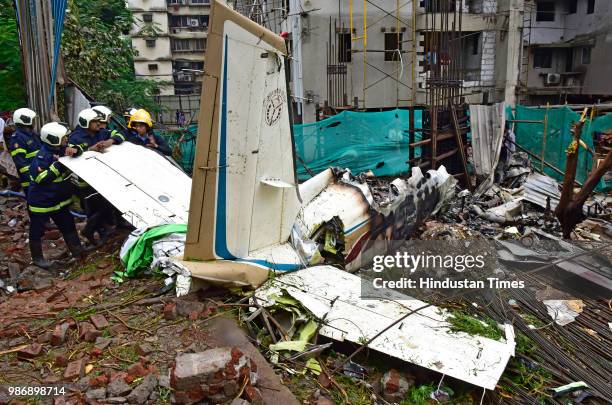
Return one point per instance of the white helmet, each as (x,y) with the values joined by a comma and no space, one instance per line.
(88,115)
(104,111)
(53,133)
(24,116)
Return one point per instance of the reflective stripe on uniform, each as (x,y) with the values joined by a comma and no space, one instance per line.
(41,176)
(118,134)
(24,169)
(54,170)
(56,207)
(31,154)
(82,184)
(25,184)
(18,151)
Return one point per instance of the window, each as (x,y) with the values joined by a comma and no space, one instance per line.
(545,11)
(393,43)
(153,67)
(199,44)
(586,55)
(147,18)
(180,44)
(200,2)
(192,21)
(542,58)
(572,6)
(150,43)
(475,43)
(591,7)
(344,47)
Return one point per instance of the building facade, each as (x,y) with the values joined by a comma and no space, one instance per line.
(373,54)
(567,52)
(169,37)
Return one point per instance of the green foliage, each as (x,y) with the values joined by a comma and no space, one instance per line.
(461,322)
(12,88)
(98,56)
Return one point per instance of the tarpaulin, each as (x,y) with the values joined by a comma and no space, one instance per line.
(530,136)
(137,251)
(359,141)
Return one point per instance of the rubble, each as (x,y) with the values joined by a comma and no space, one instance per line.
(214,375)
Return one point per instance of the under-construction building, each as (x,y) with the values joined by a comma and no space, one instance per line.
(372,54)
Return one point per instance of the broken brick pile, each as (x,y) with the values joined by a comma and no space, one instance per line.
(216,375)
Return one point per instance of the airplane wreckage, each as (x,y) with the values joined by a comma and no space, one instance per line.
(247,215)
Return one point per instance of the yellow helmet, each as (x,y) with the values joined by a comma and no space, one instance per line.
(141,115)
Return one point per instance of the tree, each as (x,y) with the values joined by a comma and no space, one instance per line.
(12,87)
(98,56)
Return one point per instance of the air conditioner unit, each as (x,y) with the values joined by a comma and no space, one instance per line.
(552,79)
(193,22)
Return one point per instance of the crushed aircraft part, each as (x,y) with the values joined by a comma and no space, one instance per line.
(423,338)
(144,186)
(563,311)
(246,205)
(542,190)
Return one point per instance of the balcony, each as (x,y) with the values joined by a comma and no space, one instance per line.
(194,3)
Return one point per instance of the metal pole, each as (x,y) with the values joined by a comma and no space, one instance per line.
(544,137)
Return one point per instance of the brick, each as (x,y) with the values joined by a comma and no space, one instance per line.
(144,349)
(170,311)
(118,388)
(102,343)
(253,395)
(186,307)
(137,370)
(118,329)
(88,332)
(75,369)
(60,360)
(141,393)
(30,352)
(99,321)
(59,334)
(44,337)
(99,381)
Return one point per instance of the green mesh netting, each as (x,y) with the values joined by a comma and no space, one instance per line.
(183,145)
(360,141)
(558,137)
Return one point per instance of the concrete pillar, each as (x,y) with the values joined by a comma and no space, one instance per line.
(515,25)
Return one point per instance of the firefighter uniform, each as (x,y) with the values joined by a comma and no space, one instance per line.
(24,146)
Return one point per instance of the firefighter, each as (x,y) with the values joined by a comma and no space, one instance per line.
(89,137)
(24,144)
(50,193)
(106,132)
(140,132)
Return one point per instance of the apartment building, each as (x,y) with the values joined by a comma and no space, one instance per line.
(169,37)
(336,63)
(567,51)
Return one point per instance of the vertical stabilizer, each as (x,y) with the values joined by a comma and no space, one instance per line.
(244,195)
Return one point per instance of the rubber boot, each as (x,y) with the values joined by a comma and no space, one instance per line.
(74,245)
(38,259)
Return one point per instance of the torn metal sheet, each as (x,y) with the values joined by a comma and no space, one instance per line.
(423,338)
(487,127)
(538,188)
(146,188)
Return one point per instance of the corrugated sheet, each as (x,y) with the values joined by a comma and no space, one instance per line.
(538,187)
(487,126)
